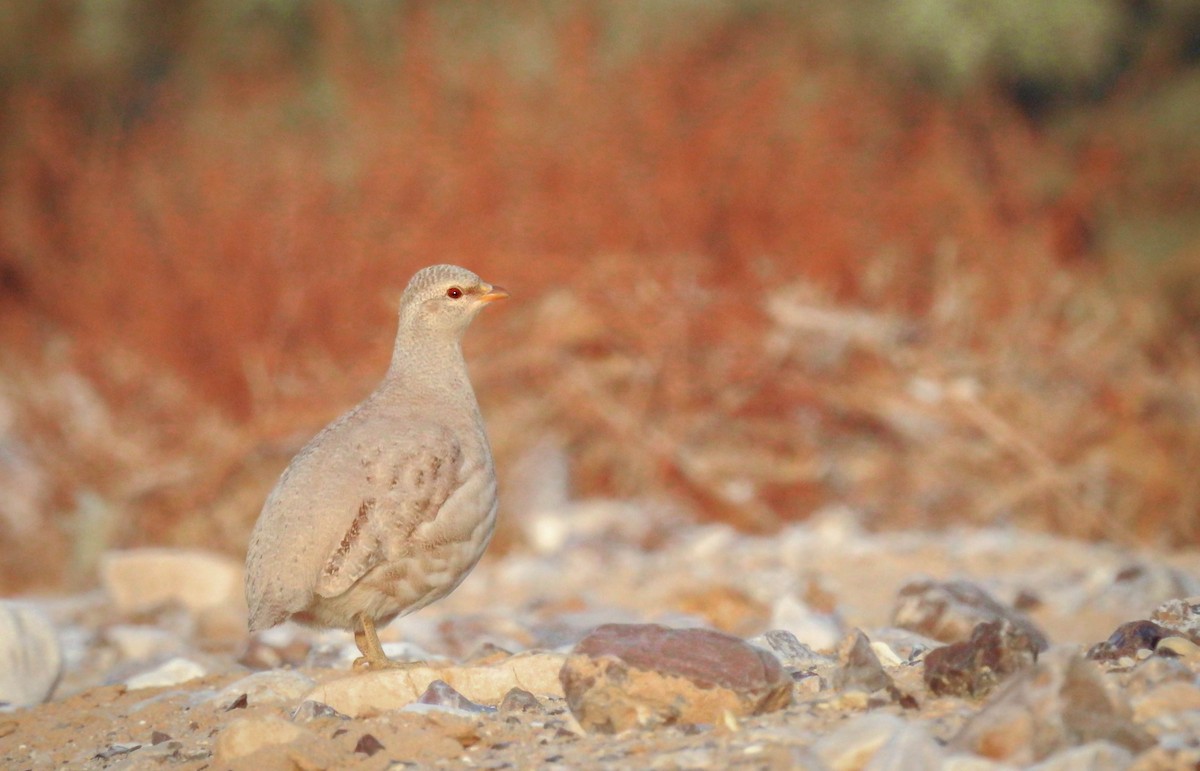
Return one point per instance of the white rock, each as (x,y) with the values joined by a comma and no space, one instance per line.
(854,744)
(177,670)
(140,580)
(278,686)
(370,693)
(1180,646)
(819,631)
(1096,756)
(885,654)
(441,709)
(30,655)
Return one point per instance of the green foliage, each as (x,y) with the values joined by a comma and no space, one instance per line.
(1067,44)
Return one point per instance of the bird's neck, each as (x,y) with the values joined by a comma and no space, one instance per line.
(432,365)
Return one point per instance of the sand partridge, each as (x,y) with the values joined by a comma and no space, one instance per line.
(391,505)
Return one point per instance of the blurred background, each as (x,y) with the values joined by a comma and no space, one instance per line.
(936,261)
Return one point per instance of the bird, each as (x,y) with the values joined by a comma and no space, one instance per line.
(390,506)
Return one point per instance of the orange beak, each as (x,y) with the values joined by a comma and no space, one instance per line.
(492,293)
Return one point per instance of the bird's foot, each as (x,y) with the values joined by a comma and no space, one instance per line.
(365,664)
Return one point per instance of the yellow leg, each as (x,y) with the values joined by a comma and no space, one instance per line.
(367,640)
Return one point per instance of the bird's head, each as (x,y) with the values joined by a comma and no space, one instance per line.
(445,298)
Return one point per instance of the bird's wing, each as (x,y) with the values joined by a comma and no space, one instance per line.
(406,483)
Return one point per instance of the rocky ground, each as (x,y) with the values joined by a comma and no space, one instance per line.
(623,638)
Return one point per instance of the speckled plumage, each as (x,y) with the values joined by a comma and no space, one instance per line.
(390,506)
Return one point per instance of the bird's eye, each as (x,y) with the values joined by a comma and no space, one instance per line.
(454,293)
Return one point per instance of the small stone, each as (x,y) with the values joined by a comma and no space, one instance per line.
(122,748)
(141,580)
(887,657)
(792,654)
(440,694)
(810,671)
(520,700)
(309,711)
(1058,703)
(158,737)
(173,672)
(1027,599)
(859,667)
(1178,646)
(30,655)
(368,745)
(950,611)
(283,686)
(623,676)
(973,668)
(1127,640)
(907,645)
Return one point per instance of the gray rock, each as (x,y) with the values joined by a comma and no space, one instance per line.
(439,693)
(949,611)
(30,655)
(792,654)
(623,676)
(310,710)
(858,666)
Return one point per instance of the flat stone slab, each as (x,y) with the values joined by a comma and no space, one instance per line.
(370,693)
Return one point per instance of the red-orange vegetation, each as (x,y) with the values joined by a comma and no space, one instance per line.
(746,273)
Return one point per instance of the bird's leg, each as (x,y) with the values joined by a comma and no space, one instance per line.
(367,641)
